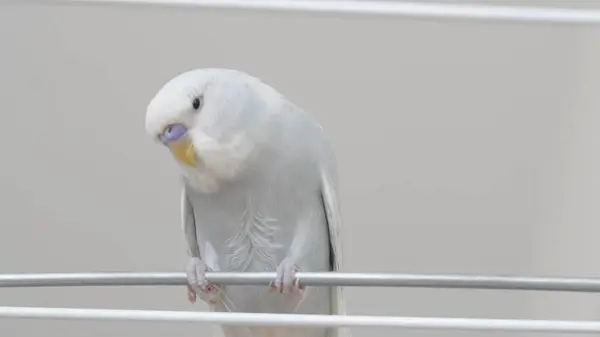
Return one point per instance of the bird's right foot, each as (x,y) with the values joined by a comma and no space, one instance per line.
(197,283)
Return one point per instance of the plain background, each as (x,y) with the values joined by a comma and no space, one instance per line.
(464,147)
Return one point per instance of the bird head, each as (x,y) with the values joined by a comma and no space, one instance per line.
(210,120)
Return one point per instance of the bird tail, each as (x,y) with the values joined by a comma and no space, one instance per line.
(338,304)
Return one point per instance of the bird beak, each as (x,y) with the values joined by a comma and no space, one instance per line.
(183,150)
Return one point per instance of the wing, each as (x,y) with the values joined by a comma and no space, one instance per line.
(329,198)
(188,223)
(332,212)
(334,225)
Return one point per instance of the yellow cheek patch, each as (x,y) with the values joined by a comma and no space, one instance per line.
(183,150)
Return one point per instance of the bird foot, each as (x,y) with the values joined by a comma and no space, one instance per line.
(197,285)
(286,281)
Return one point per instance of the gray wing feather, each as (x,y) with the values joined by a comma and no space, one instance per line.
(188,223)
(334,223)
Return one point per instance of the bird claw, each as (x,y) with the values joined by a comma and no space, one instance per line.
(286,281)
(197,285)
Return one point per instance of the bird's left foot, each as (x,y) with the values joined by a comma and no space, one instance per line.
(286,281)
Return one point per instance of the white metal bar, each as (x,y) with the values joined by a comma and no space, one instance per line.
(385,8)
(309,279)
(253,319)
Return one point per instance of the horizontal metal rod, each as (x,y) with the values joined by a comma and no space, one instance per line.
(308,279)
(252,319)
(385,8)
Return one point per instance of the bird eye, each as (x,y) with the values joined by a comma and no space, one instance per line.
(174,132)
(197,103)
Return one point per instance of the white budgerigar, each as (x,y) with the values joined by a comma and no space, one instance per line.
(259,194)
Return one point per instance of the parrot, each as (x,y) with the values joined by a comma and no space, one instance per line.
(259,193)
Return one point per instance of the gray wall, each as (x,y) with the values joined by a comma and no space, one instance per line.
(463,148)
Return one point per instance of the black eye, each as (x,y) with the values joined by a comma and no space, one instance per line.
(197,103)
